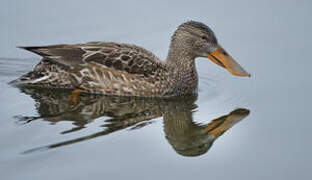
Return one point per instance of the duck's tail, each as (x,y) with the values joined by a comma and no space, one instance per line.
(44,74)
(33,77)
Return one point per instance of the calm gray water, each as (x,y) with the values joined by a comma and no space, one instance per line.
(265,119)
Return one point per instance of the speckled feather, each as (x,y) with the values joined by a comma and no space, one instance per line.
(120,69)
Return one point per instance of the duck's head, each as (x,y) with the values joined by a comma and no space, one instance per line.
(198,40)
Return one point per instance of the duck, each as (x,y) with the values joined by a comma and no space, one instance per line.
(121,69)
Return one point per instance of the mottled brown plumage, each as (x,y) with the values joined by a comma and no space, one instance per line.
(123,69)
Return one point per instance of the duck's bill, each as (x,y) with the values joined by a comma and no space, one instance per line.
(218,126)
(223,59)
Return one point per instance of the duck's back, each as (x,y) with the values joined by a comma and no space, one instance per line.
(99,67)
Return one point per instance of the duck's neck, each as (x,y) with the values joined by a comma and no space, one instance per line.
(181,61)
(180,56)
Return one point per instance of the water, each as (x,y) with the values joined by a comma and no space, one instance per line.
(265,119)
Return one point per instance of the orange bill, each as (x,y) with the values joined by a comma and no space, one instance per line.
(223,59)
(218,126)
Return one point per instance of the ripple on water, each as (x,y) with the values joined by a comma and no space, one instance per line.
(14,67)
(216,97)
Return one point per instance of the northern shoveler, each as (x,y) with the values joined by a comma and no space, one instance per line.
(129,70)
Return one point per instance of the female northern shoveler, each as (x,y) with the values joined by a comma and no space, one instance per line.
(128,70)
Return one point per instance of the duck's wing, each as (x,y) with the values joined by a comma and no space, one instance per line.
(123,57)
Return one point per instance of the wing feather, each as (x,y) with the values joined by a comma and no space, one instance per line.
(123,57)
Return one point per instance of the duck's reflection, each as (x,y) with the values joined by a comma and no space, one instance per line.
(191,139)
(186,137)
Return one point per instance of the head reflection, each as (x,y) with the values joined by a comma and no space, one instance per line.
(191,139)
(185,136)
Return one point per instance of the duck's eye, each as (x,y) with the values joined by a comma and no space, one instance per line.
(204,38)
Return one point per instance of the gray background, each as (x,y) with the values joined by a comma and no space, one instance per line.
(270,39)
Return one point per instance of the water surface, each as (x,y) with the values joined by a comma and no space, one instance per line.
(234,128)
